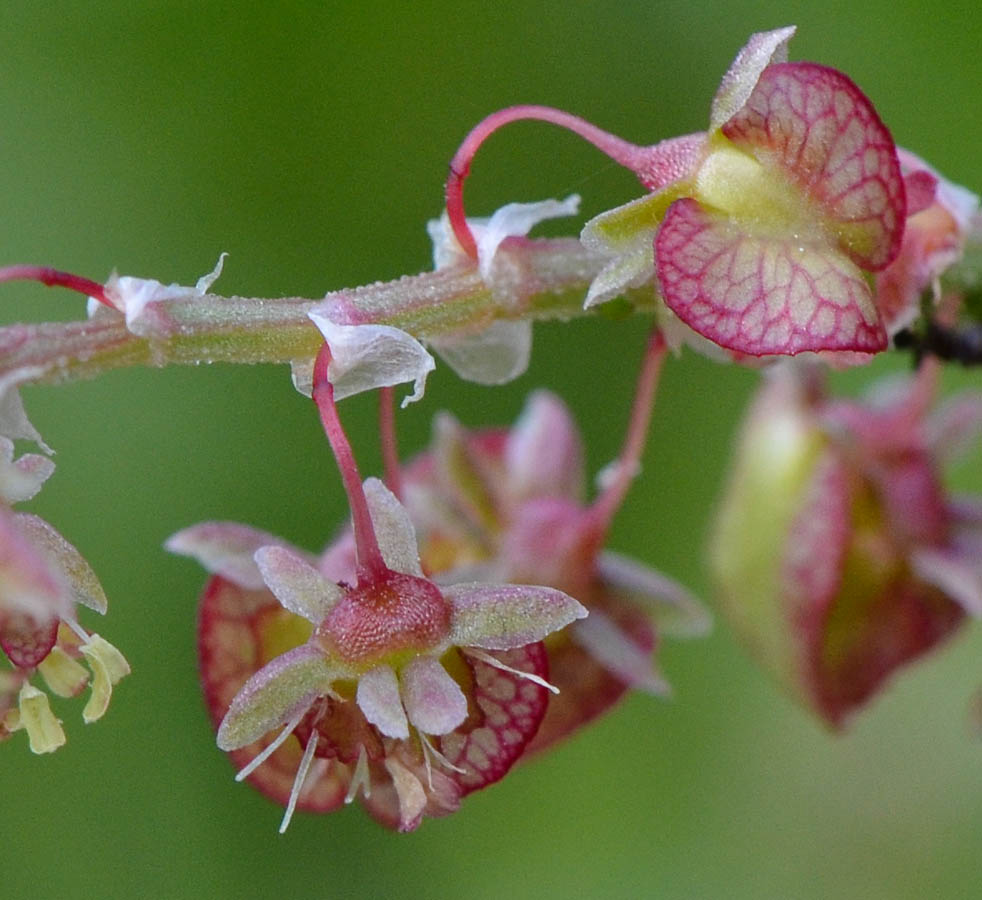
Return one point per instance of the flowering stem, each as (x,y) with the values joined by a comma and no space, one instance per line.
(209,328)
(958,344)
(387,435)
(370,562)
(607,504)
(619,150)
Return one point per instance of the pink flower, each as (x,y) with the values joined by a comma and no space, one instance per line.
(941,215)
(509,505)
(760,245)
(839,555)
(395,737)
(412,693)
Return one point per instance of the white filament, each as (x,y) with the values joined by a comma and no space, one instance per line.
(361,778)
(308,756)
(498,664)
(428,751)
(273,746)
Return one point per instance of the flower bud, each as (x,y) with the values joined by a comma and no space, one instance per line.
(837,554)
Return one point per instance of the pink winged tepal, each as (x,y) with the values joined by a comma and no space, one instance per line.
(799,192)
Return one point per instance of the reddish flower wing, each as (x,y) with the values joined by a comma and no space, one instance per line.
(793,284)
(505,713)
(24,641)
(813,124)
(239,631)
(858,614)
(817,547)
(761,294)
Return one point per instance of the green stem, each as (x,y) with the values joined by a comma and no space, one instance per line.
(546,279)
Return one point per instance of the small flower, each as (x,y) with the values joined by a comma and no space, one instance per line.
(760,245)
(509,505)
(42,578)
(838,553)
(412,693)
(938,225)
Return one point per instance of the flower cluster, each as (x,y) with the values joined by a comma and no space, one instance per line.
(420,677)
(471,615)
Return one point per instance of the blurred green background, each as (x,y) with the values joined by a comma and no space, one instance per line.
(310,141)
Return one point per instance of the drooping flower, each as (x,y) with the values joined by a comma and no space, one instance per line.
(839,555)
(509,505)
(411,693)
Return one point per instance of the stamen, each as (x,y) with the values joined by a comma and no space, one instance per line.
(308,755)
(429,749)
(361,778)
(54,278)
(370,562)
(629,462)
(498,664)
(78,629)
(273,746)
(627,154)
(317,770)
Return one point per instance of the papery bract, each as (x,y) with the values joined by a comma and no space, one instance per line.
(131,296)
(367,356)
(499,350)
(14,423)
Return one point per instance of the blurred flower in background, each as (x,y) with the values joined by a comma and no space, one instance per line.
(839,554)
